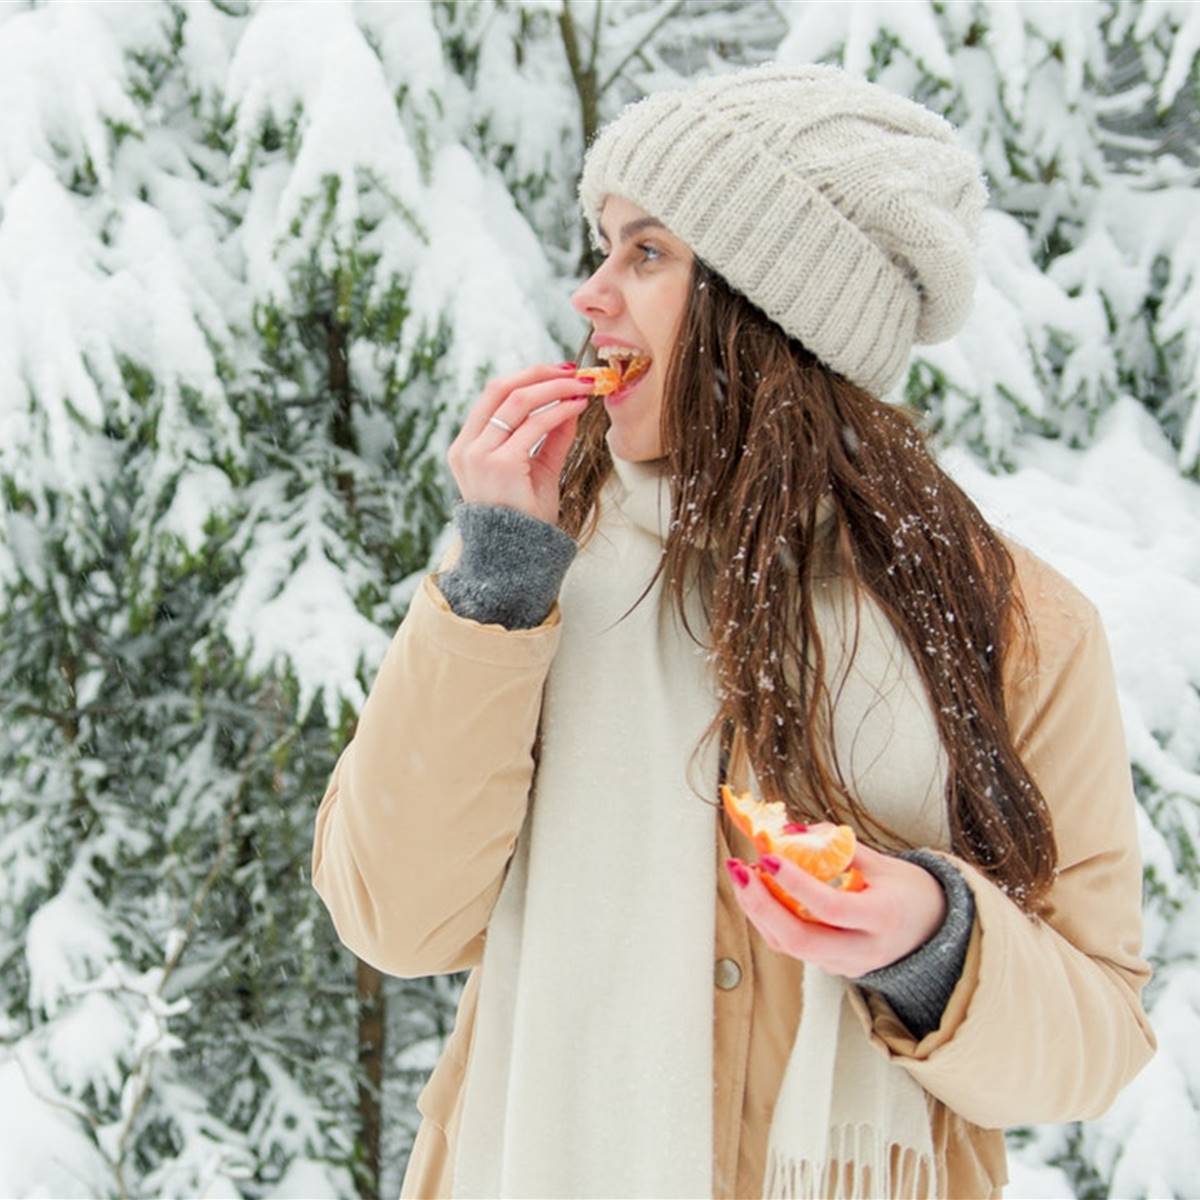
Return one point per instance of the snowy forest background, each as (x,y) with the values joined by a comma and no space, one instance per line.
(255,261)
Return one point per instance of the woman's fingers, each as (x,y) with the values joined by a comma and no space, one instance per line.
(828,904)
(867,859)
(511,440)
(833,950)
(497,391)
(550,448)
(541,421)
(902,906)
(523,406)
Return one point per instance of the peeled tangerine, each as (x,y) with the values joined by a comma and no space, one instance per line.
(619,374)
(824,850)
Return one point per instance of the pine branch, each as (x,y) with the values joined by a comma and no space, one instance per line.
(64,719)
(637,49)
(584,78)
(140,1071)
(593,58)
(75,1110)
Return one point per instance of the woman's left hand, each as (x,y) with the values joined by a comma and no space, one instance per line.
(902,906)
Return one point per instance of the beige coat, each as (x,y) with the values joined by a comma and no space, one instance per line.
(425,804)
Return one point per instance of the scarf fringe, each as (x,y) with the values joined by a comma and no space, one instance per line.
(856,1160)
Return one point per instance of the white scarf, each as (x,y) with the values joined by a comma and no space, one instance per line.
(591,1065)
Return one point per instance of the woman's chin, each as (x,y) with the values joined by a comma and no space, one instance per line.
(632,440)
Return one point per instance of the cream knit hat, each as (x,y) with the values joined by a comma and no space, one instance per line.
(844,212)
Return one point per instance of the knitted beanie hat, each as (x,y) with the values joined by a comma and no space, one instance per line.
(846,213)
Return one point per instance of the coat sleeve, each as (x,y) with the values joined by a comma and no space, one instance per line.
(1046,1022)
(422,812)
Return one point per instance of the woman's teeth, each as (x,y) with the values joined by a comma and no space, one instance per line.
(631,364)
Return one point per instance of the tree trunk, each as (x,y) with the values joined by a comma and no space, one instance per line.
(587,88)
(337,361)
(372,1009)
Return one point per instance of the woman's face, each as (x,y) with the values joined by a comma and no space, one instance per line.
(636,298)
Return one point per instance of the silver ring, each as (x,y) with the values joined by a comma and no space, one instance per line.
(538,445)
(500,423)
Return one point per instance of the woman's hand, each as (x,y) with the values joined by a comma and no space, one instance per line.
(902,907)
(520,469)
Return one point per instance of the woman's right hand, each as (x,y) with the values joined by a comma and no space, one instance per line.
(493,466)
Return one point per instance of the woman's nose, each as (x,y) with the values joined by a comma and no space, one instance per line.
(595,295)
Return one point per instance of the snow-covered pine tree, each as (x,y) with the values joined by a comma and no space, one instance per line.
(114,408)
(247,294)
(388,273)
(1089,261)
(541,79)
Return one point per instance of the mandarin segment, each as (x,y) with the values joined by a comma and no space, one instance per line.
(604,380)
(619,373)
(823,853)
(822,850)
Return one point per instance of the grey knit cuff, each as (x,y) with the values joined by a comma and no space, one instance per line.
(511,568)
(918,986)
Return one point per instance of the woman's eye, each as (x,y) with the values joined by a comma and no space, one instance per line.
(648,252)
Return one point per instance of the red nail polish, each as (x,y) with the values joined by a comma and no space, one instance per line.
(739,871)
(795,827)
(769,863)
(567,366)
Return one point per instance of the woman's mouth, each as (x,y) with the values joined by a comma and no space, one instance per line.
(619,372)
(633,369)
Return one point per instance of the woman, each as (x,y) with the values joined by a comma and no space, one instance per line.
(745,566)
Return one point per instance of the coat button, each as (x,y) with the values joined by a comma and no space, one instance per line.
(728,974)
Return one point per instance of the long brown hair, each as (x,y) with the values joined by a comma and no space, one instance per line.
(770,453)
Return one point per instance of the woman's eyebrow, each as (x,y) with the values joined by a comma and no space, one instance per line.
(627,231)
